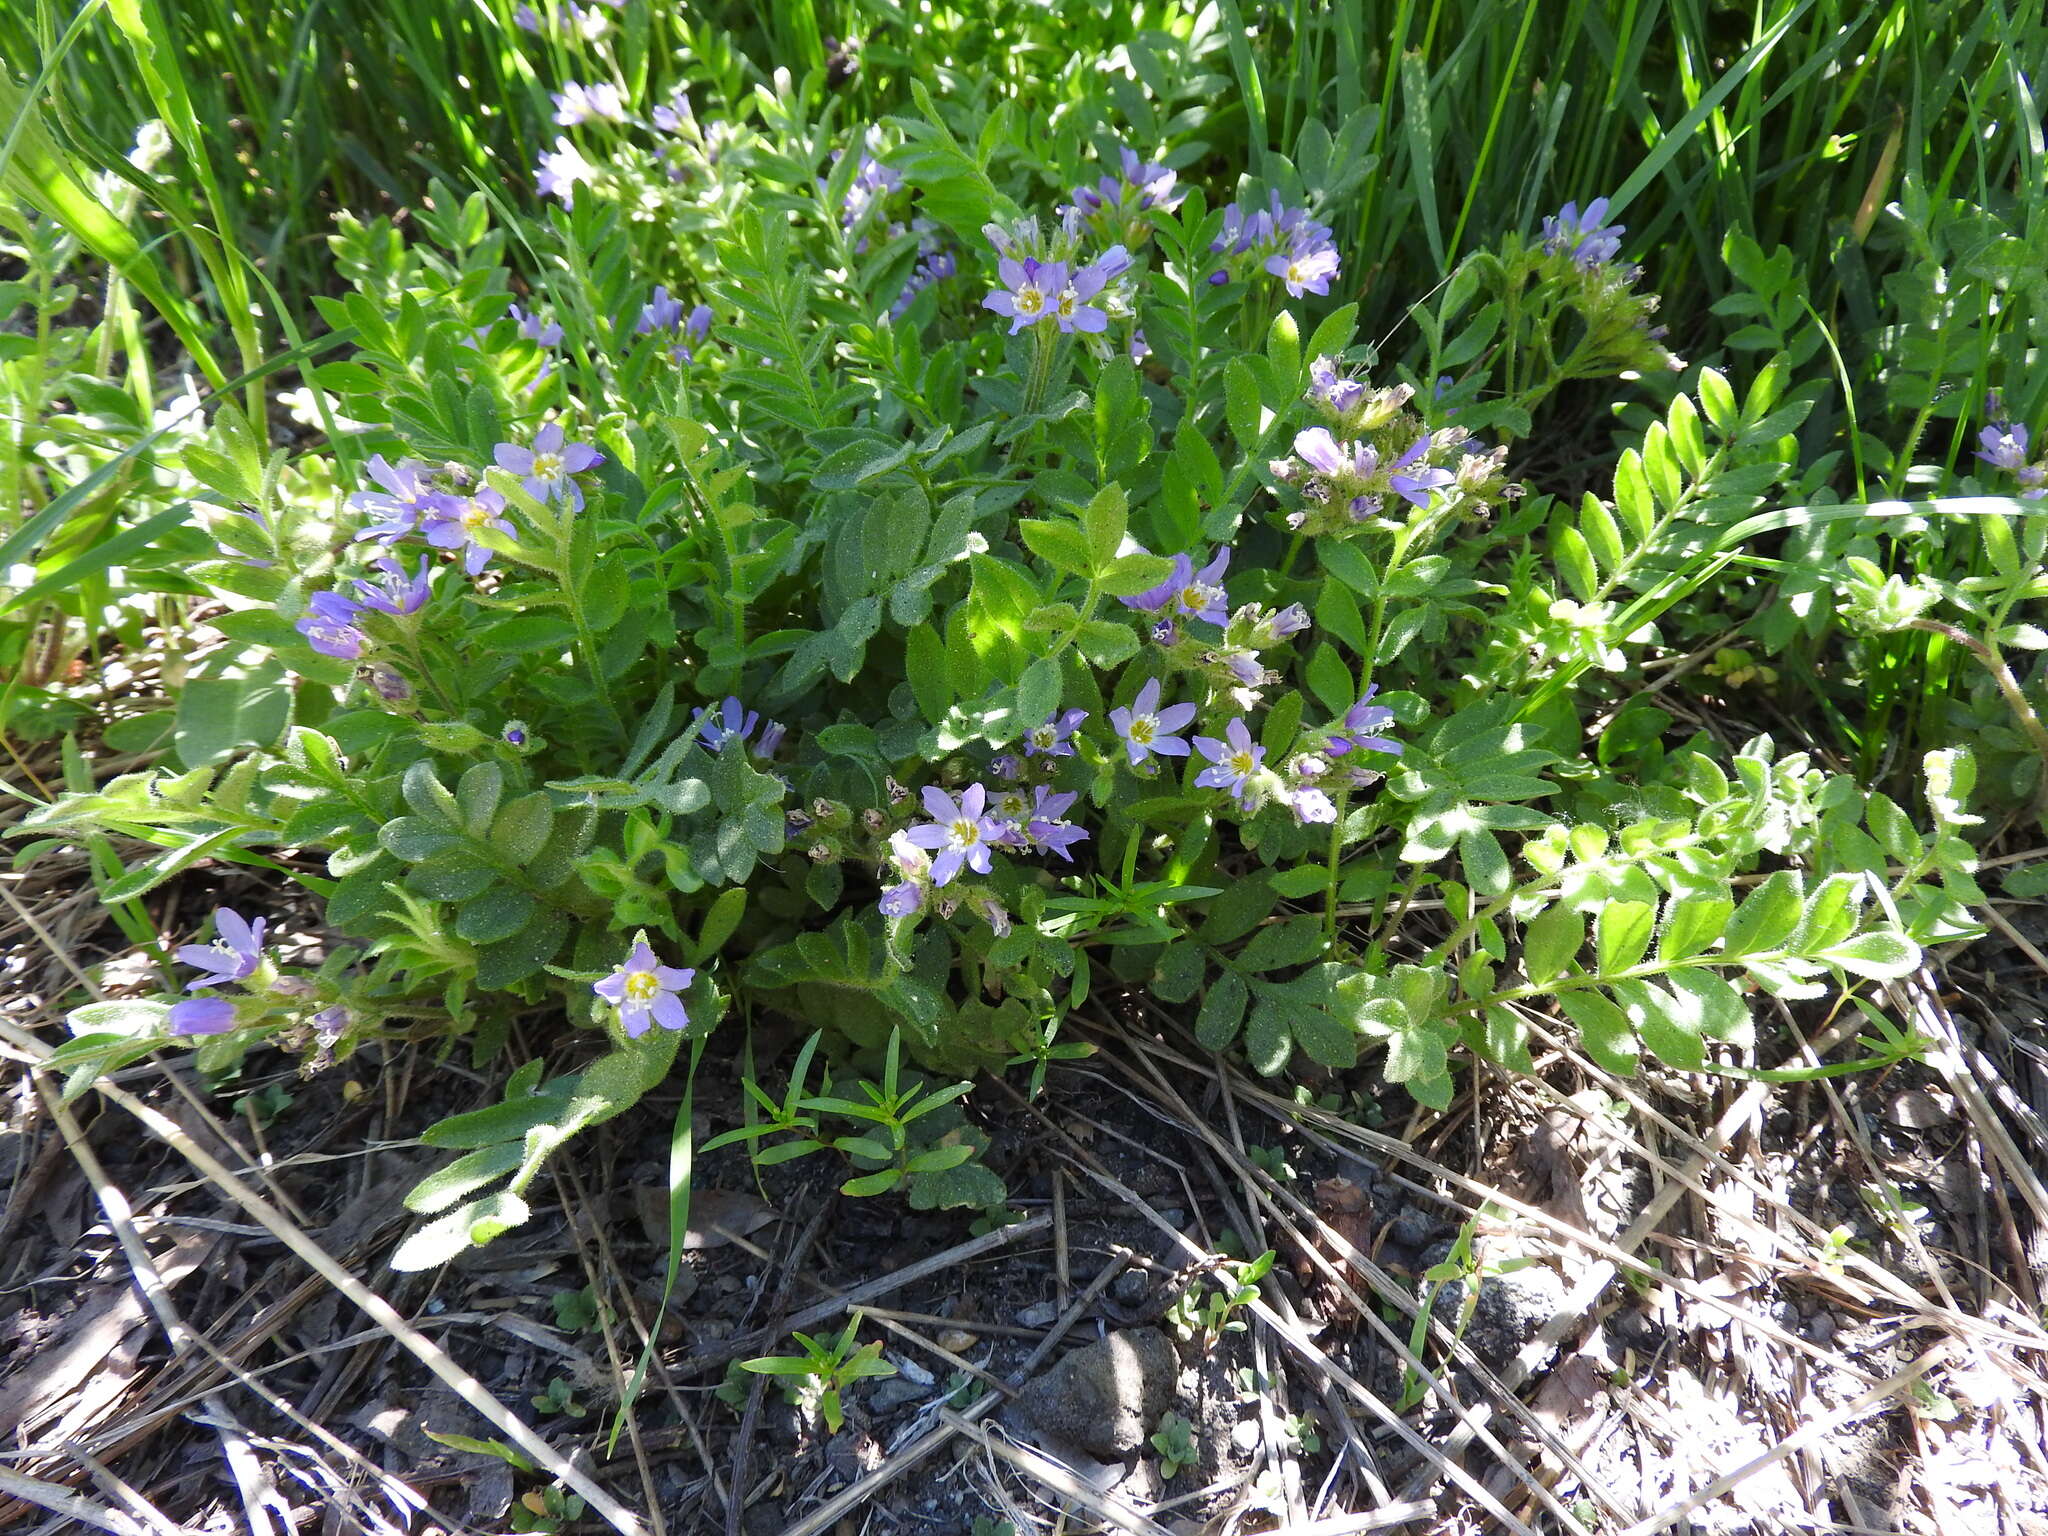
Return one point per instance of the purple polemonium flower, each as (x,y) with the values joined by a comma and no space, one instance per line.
(236,950)
(1362,721)
(2004,446)
(959,832)
(1272,628)
(1582,236)
(1329,387)
(401,499)
(1321,451)
(1306,268)
(395,592)
(514,734)
(1146,729)
(674,116)
(464,521)
(1311,806)
(1030,290)
(331,626)
(660,313)
(1188,593)
(546,468)
(1055,738)
(1233,760)
(733,722)
(560,169)
(202,1016)
(1046,826)
(915,866)
(1420,485)
(547,333)
(645,991)
(772,732)
(576,104)
(1071,309)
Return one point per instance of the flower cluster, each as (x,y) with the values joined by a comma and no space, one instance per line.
(663,314)
(1281,241)
(1115,207)
(570,19)
(966,832)
(1582,236)
(1044,281)
(935,264)
(1375,453)
(2003,445)
(235,954)
(334,625)
(577,104)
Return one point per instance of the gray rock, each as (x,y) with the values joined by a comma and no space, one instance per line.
(1411,1227)
(1511,1309)
(1820,1328)
(1103,1399)
(1131,1287)
(894,1393)
(1039,1314)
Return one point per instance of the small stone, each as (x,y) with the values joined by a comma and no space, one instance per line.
(1245,1435)
(893,1393)
(1820,1328)
(1411,1227)
(1039,1314)
(1105,1398)
(1511,1310)
(1131,1287)
(957,1341)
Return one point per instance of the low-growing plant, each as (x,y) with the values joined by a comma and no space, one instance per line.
(850,576)
(1174,1442)
(824,1369)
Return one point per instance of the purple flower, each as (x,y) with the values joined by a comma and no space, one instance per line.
(514,734)
(1310,805)
(560,169)
(660,313)
(772,732)
(236,951)
(959,832)
(1234,759)
(733,722)
(1140,348)
(464,520)
(331,626)
(872,183)
(547,333)
(901,900)
(548,465)
(575,104)
(1305,269)
(1046,826)
(396,593)
(1321,451)
(1272,628)
(1030,290)
(1055,738)
(1423,483)
(1361,720)
(644,989)
(202,1016)
(1581,235)
(2004,446)
(676,115)
(404,496)
(387,680)
(1188,593)
(1071,308)
(1329,387)
(1146,728)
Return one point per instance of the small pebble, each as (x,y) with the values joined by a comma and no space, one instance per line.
(1039,1314)
(1820,1328)
(1130,1287)
(1245,1435)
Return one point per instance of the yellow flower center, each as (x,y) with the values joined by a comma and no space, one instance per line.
(1030,301)
(966,833)
(1143,729)
(1242,762)
(641,987)
(1068,302)
(547,466)
(1294,273)
(475,515)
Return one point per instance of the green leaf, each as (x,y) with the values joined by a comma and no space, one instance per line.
(1883,954)
(1551,942)
(467,1174)
(220,716)
(1325,1039)
(1692,925)
(1768,916)
(1604,1030)
(495,914)
(1038,692)
(1104,521)
(1667,1026)
(1268,1041)
(520,830)
(1622,933)
(1296,941)
(1060,545)
(1222,1011)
